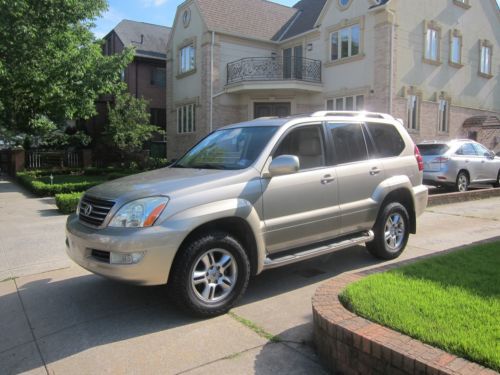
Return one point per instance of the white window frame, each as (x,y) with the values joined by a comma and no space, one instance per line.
(444,115)
(413,105)
(344,101)
(186,119)
(339,42)
(187,58)
(485,57)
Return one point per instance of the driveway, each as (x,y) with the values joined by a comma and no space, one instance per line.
(58,318)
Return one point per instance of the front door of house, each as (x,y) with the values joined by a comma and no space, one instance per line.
(271,109)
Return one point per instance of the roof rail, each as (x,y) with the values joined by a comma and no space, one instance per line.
(353,114)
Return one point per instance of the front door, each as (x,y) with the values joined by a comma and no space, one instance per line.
(301,208)
(272,109)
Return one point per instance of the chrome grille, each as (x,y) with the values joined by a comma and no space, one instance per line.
(94,211)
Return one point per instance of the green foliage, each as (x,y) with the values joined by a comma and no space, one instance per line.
(67,203)
(451,301)
(156,163)
(129,123)
(51,66)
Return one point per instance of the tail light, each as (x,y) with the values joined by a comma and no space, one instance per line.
(441,159)
(420,161)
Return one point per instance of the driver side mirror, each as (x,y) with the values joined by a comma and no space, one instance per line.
(489,155)
(283,165)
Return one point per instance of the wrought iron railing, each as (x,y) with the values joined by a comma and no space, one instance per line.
(274,69)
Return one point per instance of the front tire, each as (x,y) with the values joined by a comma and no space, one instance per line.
(210,275)
(392,230)
(497,183)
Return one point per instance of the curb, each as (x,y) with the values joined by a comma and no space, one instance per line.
(349,344)
(447,198)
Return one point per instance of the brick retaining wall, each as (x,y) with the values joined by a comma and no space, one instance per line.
(349,344)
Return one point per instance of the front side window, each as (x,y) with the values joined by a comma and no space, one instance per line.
(412,110)
(481,150)
(186,119)
(347,103)
(387,140)
(307,144)
(348,142)
(444,110)
(485,60)
(432,44)
(187,59)
(228,148)
(345,42)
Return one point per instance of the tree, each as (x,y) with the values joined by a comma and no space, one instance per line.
(52,68)
(129,123)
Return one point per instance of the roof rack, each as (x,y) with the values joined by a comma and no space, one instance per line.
(353,114)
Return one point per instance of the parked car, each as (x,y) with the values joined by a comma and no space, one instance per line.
(251,197)
(459,163)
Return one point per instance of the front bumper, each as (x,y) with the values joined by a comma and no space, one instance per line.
(159,245)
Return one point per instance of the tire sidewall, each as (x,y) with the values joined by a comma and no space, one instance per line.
(194,251)
(457,182)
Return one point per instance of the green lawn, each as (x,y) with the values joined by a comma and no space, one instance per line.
(451,302)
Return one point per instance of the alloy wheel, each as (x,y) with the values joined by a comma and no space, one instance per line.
(394,232)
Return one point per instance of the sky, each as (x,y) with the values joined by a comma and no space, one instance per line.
(161,12)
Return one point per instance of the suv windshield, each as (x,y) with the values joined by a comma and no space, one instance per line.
(433,149)
(228,149)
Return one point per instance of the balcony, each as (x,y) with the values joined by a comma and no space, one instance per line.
(274,73)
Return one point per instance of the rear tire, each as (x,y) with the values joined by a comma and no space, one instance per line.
(210,275)
(392,230)
(462,183)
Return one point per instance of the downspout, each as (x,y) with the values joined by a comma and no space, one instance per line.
(212,81)
(391,69)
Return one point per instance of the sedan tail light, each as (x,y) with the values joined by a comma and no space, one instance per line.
(441,159)
(420,161)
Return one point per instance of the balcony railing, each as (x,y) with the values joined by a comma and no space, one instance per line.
(274,69)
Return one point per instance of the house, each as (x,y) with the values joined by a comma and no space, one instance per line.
(145,75)
(433,63)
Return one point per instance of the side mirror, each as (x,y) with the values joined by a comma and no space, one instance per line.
(284,164)
(489,155)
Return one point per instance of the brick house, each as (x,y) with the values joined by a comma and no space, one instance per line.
(433,63)
(145,75)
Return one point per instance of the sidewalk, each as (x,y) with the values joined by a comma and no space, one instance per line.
(70,321)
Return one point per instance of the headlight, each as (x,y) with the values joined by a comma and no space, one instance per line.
(139,213)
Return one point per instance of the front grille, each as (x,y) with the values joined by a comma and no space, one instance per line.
(102,256)
(94,211)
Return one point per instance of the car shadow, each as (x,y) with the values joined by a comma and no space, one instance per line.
(74,314)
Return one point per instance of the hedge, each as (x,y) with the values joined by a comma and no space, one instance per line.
(67,203)
(43,189)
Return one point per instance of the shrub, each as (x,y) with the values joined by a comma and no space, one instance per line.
(43,189)
(67,203)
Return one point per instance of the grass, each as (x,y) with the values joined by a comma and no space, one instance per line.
(254,327)
(451,302)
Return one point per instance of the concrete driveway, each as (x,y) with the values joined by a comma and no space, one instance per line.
(58,318)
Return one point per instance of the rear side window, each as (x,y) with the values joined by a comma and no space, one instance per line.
(388,141)
(348,142)
(433,149)
(466,149)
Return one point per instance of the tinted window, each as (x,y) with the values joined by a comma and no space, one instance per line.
(228,149)
(348,142)
(466,149)
(388,141)
(433,149)
(307,144)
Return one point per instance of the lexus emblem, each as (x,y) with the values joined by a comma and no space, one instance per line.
(87,209)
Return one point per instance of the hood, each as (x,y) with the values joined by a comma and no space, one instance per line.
(165,181)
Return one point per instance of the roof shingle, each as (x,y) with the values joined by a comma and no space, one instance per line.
(148,39)
(308,13)
(258,19)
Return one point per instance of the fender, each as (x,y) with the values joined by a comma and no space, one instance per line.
(195,217)
(389,185)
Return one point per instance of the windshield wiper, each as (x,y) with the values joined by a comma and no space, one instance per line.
(207,166)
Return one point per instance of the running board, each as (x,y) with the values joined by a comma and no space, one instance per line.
(322,250)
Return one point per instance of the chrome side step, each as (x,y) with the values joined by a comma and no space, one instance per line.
(322,250)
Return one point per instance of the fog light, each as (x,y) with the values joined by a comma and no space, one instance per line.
(125,258)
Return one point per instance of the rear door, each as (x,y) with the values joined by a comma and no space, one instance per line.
(358,175)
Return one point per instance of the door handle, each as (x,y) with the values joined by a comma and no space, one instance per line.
(466,160)
(375,171)
(327,179)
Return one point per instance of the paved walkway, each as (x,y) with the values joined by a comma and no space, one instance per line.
(58,318)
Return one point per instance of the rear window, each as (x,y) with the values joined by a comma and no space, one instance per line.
(433,149)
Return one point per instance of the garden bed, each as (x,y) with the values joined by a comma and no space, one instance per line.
(451,302)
